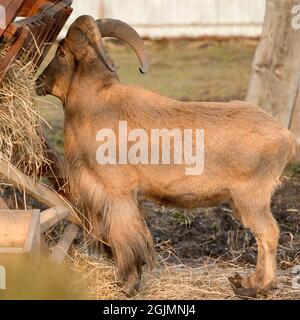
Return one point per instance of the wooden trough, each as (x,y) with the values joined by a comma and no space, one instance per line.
(20,227)
(21,233)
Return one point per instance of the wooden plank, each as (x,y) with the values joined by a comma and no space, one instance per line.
(60,251)
(11,9)
(14,227)
(3,205)
(6,3)
(20,233)
(27,7)
(49,22)
(31,7)
(32,241)
(35,189)
(52,216)
(11,31)
(13,52)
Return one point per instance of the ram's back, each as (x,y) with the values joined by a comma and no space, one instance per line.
(235,129)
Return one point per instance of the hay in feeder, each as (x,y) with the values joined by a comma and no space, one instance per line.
(20,123)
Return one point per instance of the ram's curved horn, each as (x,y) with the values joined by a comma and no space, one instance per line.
(123,31)
(89,29)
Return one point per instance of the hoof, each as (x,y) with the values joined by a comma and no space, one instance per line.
(131,289)
(248,287)
(130,284)
(238,284)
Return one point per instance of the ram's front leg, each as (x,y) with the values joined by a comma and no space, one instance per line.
(129,238)
(88,194)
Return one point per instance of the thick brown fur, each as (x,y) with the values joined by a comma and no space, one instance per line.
(246,151)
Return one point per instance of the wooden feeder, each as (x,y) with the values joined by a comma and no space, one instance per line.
(21,249)
(42,24)
(21,232)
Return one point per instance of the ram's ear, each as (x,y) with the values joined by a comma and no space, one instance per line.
(83,33)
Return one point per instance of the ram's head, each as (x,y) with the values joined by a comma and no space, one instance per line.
(83,46)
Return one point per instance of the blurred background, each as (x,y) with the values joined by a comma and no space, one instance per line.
(178,18)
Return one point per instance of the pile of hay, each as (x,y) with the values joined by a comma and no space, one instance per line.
(20,122)
(173,282)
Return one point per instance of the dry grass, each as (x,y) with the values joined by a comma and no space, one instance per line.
(172,282)
(20,123)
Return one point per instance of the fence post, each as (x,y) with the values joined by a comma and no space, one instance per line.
(2,278)
(274,82)
(102,9)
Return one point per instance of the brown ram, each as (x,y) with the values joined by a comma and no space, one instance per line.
(246,151)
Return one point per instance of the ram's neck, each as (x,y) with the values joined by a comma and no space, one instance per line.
(89,81)
(97,72)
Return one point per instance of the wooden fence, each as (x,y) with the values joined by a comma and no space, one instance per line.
(177,18)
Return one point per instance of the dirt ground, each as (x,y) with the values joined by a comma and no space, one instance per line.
(197,70)
(190,236)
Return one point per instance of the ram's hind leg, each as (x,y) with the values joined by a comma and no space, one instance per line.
(129,239)
(253,204)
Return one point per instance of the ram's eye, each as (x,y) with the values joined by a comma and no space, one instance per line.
(61,53)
